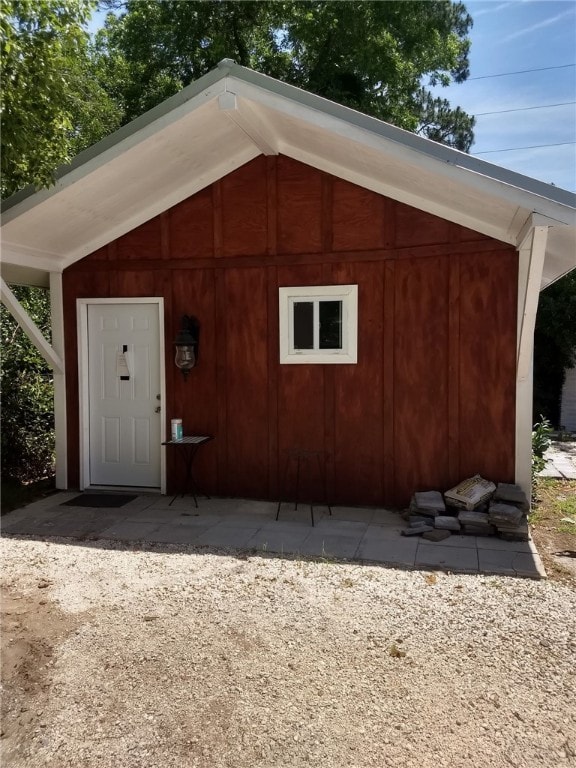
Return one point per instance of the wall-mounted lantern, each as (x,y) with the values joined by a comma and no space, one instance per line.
(187,344)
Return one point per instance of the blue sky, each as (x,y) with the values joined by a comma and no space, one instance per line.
(510,36)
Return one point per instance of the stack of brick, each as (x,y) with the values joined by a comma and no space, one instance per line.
(427,503)
(424,510)
(476,523)
(488,510)
(507,512)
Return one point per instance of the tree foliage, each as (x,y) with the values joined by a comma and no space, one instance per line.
(554,346)
(27,393)
(52,103)
(52,106)
(372,56)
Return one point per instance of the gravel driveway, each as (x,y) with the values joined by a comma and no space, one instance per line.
(183,657)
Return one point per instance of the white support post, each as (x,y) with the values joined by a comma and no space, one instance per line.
(523,467)
(532,252)
(57,317)
(30,328)
(536,254)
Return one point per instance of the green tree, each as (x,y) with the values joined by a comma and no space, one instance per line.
(52,103)
(27,393)
(372,56)
(554,346)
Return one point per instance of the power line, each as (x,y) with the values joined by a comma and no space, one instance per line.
(524,109)
(521,72)
(515,149)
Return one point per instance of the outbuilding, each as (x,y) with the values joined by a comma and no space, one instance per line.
(362,295)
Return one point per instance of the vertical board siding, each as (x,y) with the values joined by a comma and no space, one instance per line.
(273,374)
(134,283)
(300,403)
(144,242)
(388,361)
(245,219)
(327,479)
(414,227)
(358,411)
(191,227)
(299,207)
(221,379)
(432,397)
(488,364)
(454,372)
(421,376)
(358,215)
(192,399)
(247,382)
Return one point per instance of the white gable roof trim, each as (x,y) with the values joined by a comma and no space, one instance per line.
(230,116)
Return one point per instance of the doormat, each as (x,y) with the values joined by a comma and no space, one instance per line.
(110,500)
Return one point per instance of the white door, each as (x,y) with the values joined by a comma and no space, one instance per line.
(123,394)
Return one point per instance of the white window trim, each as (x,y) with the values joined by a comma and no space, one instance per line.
(348,295)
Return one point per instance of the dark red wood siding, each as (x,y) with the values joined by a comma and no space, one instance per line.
(432,398)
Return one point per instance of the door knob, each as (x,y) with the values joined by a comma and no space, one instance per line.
(157,409)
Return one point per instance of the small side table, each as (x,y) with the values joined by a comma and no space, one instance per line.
(189,448)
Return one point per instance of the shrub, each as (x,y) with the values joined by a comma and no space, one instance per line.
(27,435)
(541,439)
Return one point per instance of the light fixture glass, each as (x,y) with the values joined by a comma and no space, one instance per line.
(187,344)
(185,357)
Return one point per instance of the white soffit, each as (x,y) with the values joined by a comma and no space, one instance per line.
(229,117)
(560,254)
(388,175)
(134,186)
(14,274)
(417,171)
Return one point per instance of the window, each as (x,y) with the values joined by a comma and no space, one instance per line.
(318,324)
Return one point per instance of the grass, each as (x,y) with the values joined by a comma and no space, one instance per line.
(555,500)
(15,494)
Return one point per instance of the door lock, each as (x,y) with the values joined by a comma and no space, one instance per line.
(158,397)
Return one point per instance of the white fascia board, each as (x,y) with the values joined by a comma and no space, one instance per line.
(30,328)
(125,138)
(408,198)
(407,147)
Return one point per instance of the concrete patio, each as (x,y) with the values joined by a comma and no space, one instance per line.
(560,460)
(350,533)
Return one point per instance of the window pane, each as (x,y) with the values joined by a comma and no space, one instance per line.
(303,325)
(330,325)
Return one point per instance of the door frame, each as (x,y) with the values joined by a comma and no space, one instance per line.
(83,396)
